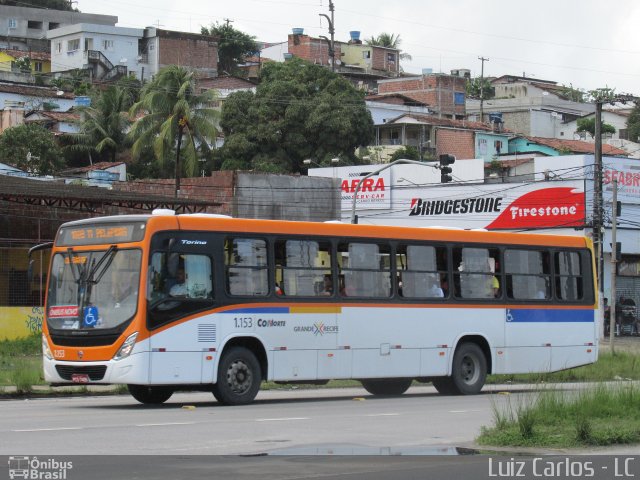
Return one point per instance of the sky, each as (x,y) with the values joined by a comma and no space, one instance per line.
(587,44)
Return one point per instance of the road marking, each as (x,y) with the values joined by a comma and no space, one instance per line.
(463,411)
(281,419)
(382,415)
(164,424)
(48,429)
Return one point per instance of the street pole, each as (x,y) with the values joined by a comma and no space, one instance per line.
(614,260)
(332,50)
(597,198)
(482,59)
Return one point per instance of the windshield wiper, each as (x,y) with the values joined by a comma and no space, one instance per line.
(86,277)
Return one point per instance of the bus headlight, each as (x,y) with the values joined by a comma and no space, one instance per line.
(46,351)
(127,347)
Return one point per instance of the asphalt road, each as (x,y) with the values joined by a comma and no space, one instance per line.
(329,421)
(285,434)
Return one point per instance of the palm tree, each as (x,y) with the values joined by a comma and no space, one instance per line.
(173,115)
(103,126)
(388,40)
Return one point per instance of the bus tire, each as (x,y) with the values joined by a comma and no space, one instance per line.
(390,386)
(150,395)
(239,377)
(468,372)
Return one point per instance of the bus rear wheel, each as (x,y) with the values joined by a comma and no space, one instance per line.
(390,386)
(150,395)
(468,372)
(239,377)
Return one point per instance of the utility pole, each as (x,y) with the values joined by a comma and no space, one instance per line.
(597,196)
(332,51)
(614,260)
(482,59)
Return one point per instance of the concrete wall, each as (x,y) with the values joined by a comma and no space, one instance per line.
(286,197)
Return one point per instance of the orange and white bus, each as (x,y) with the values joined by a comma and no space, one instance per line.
(167,302)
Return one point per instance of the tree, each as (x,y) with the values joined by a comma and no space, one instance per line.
(32,148)
(299,111)
(388,40)
(477,87)
(572,94)
(103,126)
(234,46)
(633,124)
(174,117)
(408,152)
(23,64)
(589,125)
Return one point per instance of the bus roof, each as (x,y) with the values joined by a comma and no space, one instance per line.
(202,222)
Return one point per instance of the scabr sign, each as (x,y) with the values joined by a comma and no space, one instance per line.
(542,208)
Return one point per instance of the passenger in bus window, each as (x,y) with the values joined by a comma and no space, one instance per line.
(435,291)
(180,288)
(495,286)
(327,288)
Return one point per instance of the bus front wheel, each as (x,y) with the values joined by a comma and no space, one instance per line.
(468,372)
(391,386)
(239,377)
(150,395)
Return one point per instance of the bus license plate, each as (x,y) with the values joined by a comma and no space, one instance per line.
(80,378)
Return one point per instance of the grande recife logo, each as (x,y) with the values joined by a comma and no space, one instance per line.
(544,208)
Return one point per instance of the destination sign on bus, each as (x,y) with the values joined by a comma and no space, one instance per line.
(98,234)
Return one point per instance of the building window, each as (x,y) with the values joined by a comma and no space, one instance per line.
(53,25)
(459,98)
(391,57)
(498,146)
(37,66)
(73,45)
(366,54)
(34,25)
(107,44)
(13,23)
(623,134)
(58,48)
(482,146)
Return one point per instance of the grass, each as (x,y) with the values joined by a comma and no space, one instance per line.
(21,363)
(598,416)
(622,365)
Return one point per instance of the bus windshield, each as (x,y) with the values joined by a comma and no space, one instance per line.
(93,290)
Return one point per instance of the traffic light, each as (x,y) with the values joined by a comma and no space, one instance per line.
(445,170)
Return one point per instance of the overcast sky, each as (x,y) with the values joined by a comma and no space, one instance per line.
(586,43)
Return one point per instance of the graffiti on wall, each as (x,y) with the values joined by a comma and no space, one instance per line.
(33,322)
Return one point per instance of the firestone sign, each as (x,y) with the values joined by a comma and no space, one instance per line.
(542,208)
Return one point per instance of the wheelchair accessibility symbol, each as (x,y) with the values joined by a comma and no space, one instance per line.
(509,315)
(90,317)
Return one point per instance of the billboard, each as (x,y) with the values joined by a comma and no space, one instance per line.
(506,206)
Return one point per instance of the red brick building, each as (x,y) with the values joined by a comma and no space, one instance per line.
(444,94)
(199,52)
